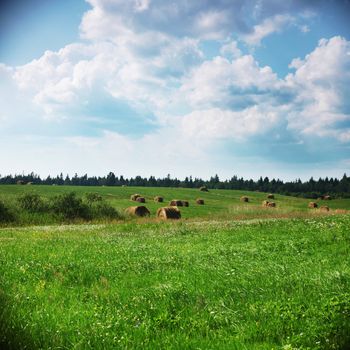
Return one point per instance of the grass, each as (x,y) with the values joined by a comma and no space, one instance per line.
(219,204)
(255,284)
(277,279)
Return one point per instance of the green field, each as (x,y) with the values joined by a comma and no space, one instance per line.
(219,204)
(229,275)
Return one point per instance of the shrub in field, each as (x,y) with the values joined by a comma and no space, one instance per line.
(93,197)
(103,210)
(69,206)
(32,202)
(5,213)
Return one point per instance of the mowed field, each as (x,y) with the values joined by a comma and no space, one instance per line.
(229,275)
(219,204)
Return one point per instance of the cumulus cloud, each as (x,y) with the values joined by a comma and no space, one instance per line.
(218,123)
(143,63)
(267,27)
(322,79)
(201,19)
(225,83)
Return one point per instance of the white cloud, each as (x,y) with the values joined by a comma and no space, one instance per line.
(321,81)
(147,54)
(304,28)
(211,24)
(219,123)
(267,27)
(231,50)
(222,82)
(141,5)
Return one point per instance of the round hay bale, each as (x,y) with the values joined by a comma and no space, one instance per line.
(271,204)
(169,213)
(140,210)
(271,196)
(20,182)
(265,203)
(158,199)
(324,208)
(341,211)
(312,205)
(175,203)
(244,199)
(200,201)
(327,198)
(134,197)
(185,203)
(203,189)
(141,199)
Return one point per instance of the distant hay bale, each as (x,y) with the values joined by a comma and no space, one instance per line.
(158,199)
(141,199)
(244,199)
(185,203)
(203,189)
(169,213)
(324,208)
(20,182)
(271,196)
(271,204)
(200,201)
(327,198)
(134,197)
(176,203)
(29,183)
(312,205)
(124,185)
(341,211)
(140,210)
(265,203)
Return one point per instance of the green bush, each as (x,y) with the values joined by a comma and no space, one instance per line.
(69,206)
(93,197)
(5,213)
(32,202)
(103,210)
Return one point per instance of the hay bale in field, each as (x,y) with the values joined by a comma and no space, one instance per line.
(134,197)
(185,203)
(341,211)
(271,204)
(324,208)
(271,196)
(141,199)
(203,189)
(140,210)
(20,182)
(312,205)
(169,213)
(265,203)
(200,201)
(327,198)
(244,199)
(158,199)
(29,183)
(175,203)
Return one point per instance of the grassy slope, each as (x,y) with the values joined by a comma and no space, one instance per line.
(219,204)
(185,285)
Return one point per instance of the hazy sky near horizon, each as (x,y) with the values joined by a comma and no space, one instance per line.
(151,87)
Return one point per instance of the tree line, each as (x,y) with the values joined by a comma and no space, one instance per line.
(309,189)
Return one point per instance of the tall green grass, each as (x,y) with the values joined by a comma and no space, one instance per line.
(256,284)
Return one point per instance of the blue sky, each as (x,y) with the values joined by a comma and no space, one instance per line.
(151,87)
